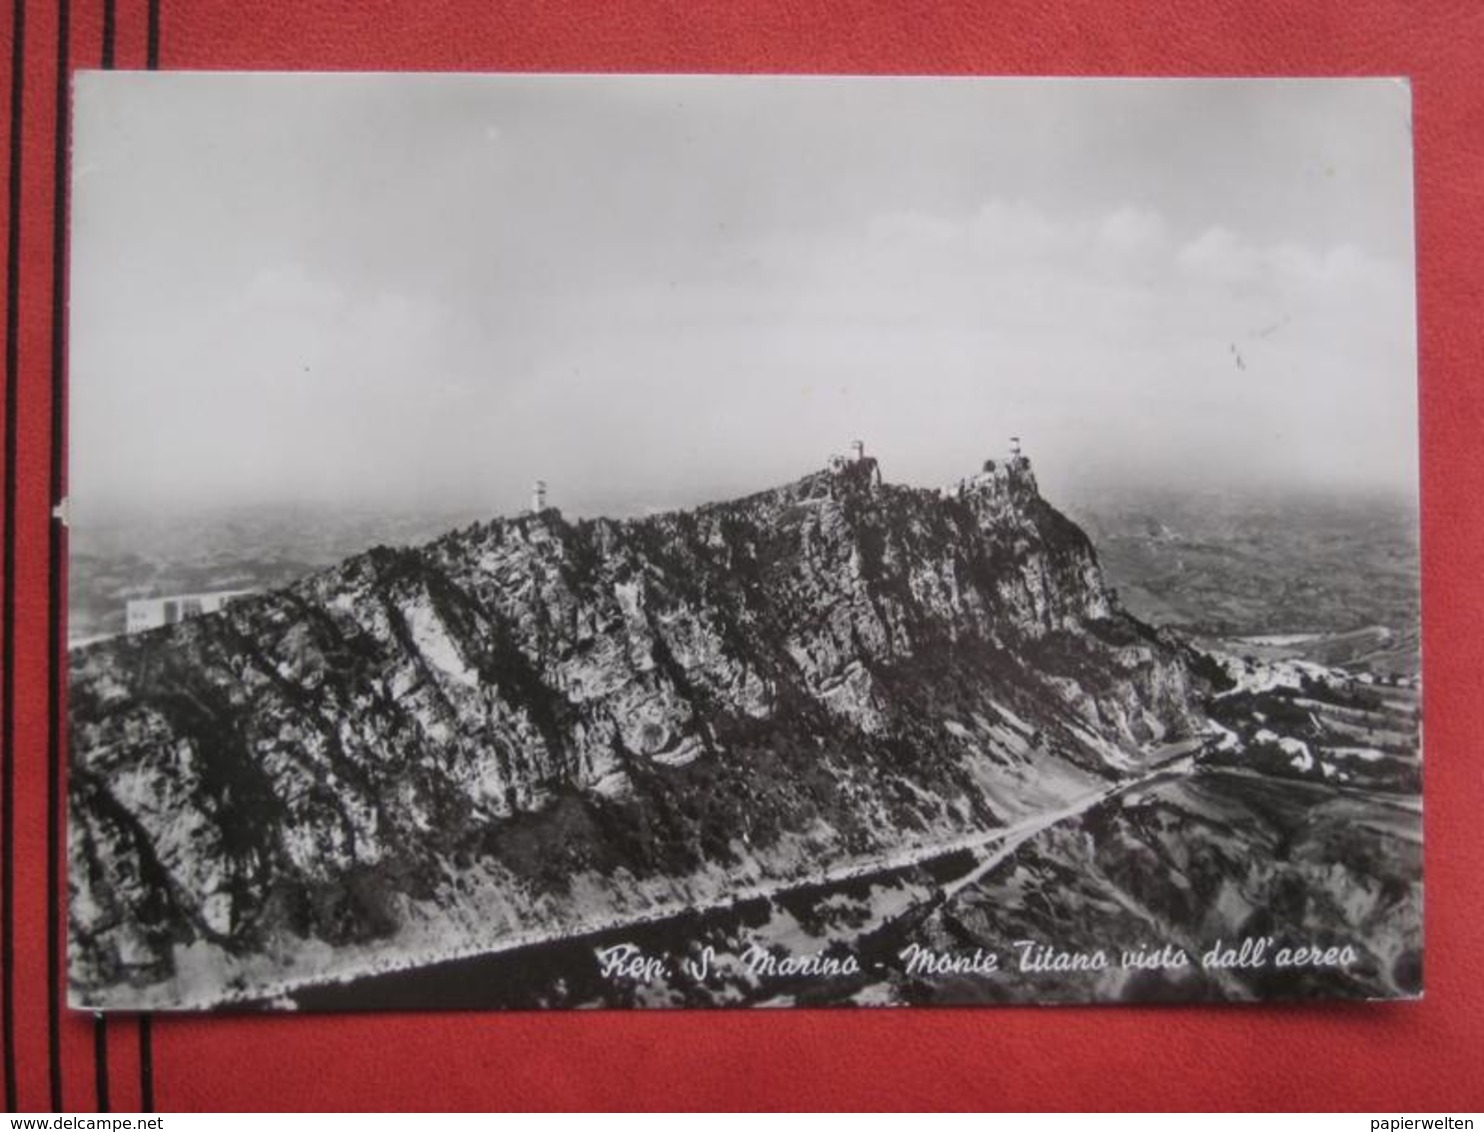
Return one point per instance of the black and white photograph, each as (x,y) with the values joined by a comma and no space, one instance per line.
(572,541)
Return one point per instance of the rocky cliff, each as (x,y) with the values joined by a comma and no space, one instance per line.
(533,727)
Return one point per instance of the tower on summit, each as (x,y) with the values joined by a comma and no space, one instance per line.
(538,497)
(1015,446)
(857,466)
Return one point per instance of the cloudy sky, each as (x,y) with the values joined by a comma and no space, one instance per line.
(408,290)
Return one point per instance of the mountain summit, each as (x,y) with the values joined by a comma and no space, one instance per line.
(533,727)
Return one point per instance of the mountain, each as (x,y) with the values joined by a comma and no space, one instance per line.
(532,730)
(532,726)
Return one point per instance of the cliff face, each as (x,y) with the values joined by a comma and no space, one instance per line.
(533,726)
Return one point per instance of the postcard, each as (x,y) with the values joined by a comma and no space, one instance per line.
(555,541)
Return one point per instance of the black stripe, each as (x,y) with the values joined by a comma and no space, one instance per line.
(54,560)
(100,1060)
(153,53)
(146,1066)
(100,1021)
(7,634)
(108,34)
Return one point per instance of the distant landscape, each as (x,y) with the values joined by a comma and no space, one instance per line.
(118,556)
(1337,580)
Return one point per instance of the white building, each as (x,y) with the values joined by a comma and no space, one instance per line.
(143,613)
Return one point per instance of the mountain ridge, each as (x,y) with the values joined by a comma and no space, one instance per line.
(528,719)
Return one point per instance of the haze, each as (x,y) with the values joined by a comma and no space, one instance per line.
(409,291)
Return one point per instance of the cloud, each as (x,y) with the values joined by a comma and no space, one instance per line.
(284,383)
(1133,231)
(1219,256)
(1127,345)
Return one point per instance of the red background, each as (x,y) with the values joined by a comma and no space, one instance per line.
(1383,1057)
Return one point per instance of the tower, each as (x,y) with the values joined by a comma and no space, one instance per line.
(538,497)
(1015,446)
(857,450)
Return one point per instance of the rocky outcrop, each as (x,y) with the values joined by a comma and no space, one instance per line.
(533,725)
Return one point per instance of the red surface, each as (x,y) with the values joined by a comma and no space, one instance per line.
(1403,1056)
